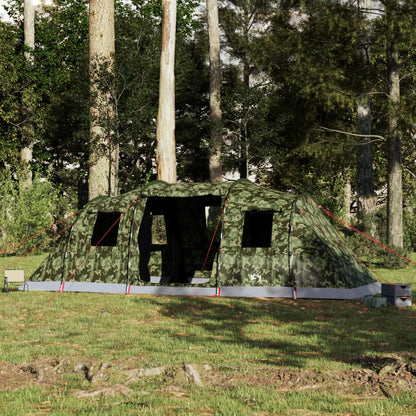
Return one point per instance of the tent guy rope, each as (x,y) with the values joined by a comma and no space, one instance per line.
(210,245)
(36,248)
(330,214)
(35,235)
(92,250)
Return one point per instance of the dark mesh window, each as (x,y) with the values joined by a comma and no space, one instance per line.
(106,229)
(257,230)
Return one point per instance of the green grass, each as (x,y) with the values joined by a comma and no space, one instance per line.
(239,339)
(262,356)
(28,263)
(404,275)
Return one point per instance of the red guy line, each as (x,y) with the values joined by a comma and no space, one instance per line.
(210,246)
(93,249)
(363,234)
(215,233)
(355,256)
(36,248)
(35,235)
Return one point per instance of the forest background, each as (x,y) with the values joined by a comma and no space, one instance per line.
(294,76)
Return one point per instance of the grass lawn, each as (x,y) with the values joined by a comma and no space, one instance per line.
(28,263)
(90,354)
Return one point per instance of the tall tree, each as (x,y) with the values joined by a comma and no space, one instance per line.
(26,152)
(215,170)
(103,168)
(23,108)
(165,129)
(365,177)
(394,144)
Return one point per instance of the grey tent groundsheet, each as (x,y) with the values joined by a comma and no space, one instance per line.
(228,291)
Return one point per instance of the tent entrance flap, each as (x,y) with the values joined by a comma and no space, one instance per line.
(174,236)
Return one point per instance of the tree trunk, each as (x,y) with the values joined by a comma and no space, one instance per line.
(26,153)
(365,177)
(244,148)
(26,157)
(103,169)
(29,29)
(347,197)
(165,129)
(215,171)
(394,148)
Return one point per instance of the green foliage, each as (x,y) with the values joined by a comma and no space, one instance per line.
(52,96)
(382,36)
(26,212)
(20,105)
(294,69)
(409,224)
(61,83)
(151,11)
(137,70)
(311,55)
(245,92)
(192,110)
(62,57)
(10,66)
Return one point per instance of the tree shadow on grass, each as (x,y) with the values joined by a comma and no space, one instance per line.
(296,333)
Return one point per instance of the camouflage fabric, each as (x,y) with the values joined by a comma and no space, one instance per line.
(253,266)
(319,254)
(263,238)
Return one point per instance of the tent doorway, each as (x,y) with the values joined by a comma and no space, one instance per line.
(174,237)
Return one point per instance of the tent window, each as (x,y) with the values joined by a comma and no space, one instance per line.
(257,231)
(106,229)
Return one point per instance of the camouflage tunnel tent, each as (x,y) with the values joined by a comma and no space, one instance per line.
(233,239)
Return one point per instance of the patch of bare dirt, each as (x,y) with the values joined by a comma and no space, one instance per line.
(378,376)
(104,391)
(370,376)
(44,371)
(289,379)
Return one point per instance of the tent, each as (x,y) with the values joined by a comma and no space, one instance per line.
(232,239)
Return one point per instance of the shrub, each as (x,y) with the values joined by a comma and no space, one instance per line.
(409,224)
(26,212)
(375,226)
